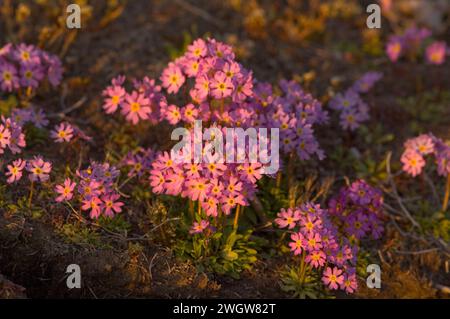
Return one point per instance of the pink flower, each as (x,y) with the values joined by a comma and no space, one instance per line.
(314,241)
(316,258)
(251,171)
(349,284)
(157,181)
(172,78)
(197,49)
(210,207)
(111,205)
(287,218)
(197,188)
(201,87)
(136,107)
(413,162)
(15,171)
(221,86)
(435,52)
(333,278)
(423,144)
(114,97)
(5,137)
(191,67)
(93,204)
(173,114)
(394,49)
(65,191)
(27,54)
(298,243)
(62,133)
(198,228)
(189,113)
(39,169)
(231,201)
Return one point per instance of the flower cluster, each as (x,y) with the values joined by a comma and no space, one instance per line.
(353,110)
(318,242)
(218,85)
(96,190)
(413,157)
(142,103)
(37,167)
(357,210)
(217,186)
(295,112)
(139,161)
(411,42)
(11,136)
(25,66)
(31,114)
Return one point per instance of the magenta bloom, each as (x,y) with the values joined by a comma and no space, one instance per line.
(111,205)
(333,278)
(157,181)
(197,188)
(413,162)
(136,107)
(314,241)
(198,228)
(62,133)
(39,169)
(27,54)
(5,137)
(394,49)
(173,114)
(114,96)
(172,78)
(65,190)
(202,84)
(221,86)
(316,258)
(15,171)
(197,49)
(423,144)
(94,204)
(287,218)
(189,113)
(297,244)
(349,284)
(435,52)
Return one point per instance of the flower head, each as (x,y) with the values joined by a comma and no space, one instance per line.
(15,169)
(65,190)
(39,169)
(62,133)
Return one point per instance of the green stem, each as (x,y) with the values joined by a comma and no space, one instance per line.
(236,217)
(31,194)
(447,194)
(302,268)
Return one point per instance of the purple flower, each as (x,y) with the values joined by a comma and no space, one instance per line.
(8,77)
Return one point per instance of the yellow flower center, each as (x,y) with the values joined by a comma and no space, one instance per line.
(7,76)
(135,107)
